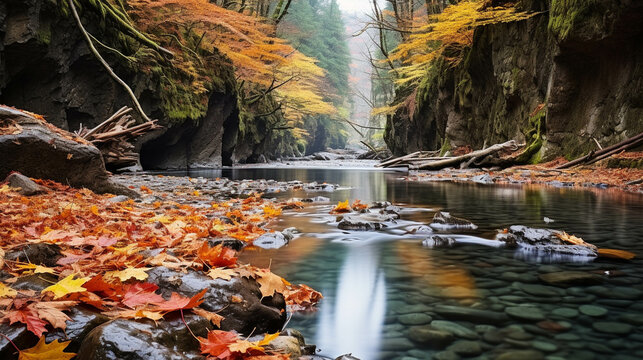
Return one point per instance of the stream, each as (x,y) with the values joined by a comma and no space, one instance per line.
(382,289)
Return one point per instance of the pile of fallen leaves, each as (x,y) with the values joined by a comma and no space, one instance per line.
(103,265)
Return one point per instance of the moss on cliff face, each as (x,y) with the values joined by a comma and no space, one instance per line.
(583,19)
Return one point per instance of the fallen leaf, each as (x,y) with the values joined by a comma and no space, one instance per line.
(217,256)
(616,254)
(270,283)
(141,294)
(66,286)
(6,291)
(44,351)
(129,273)
(217,343)
(37,269)
(213,317)
(342,207)
(221,273)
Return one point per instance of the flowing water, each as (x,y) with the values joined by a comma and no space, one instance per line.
(385,294)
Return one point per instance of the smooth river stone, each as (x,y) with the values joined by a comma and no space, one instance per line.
(635,319)
(610,327)
(541,290)
(593,310)
(466,348)
(521,355)
(455,329)
(433,338)
(471,314)
(414,319)
(565,312)
(570,278)
(617,292)
(544,346)
(527,313)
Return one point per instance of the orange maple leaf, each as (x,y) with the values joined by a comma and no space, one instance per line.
(217,256)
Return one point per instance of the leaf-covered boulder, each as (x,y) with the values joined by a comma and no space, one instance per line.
(37,149)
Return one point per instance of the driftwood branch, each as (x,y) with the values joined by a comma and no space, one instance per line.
(457,160)
(594,156)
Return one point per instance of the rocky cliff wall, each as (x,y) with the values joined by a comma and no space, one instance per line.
(557,81)
(46,67)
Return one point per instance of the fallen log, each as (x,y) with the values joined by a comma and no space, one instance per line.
(594,156)
(416,156)
(457,160)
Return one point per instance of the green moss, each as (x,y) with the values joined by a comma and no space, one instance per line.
(581,17)
(534,136)
(446,146)
(44,33)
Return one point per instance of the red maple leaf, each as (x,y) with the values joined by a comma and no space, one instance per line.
(217,344)
(28,317)
(217,256)
(140,294)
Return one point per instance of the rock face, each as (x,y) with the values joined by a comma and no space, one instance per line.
(581,60)
(36,150)
(46,67)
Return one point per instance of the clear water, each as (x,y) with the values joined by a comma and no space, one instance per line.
(382,289)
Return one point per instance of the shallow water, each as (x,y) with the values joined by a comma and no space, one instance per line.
(383,289)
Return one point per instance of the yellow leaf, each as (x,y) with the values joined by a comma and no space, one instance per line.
(268,339)
(270,211)
(129,273)
(44,351)
(67,286)
(94,209)
(37,269)
(243,346)
(270,283)
(221,273)
(6,291)
(196,193)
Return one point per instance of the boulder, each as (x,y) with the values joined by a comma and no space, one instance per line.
(544,243)
(124,339)
(364,222)
(40,150)
(444,221)
(238,300)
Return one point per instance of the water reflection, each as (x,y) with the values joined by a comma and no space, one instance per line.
(353,322)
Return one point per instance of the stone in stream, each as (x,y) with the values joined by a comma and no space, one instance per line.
(170,339)
(446,355)
(544,243)
(466,348)
(364,222)
(439,241)
(234,244)
(444,221)
(593,310)
(526,313)
(455,329)
(471,314)
(428,336)
(565,312)
(570,278)
(414,319)
(253,314)
(272,240)
(521,355)
(610,327)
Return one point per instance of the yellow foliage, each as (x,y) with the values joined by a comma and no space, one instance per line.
(452,29)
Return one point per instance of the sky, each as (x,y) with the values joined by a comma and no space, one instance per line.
(355,5)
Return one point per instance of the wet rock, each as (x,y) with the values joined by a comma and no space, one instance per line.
(544,346)
(466,348)
(455,329)
(565,312)
(397,345)
(27,186)
(347,357)
(274,240)
(526,313)
(35,282)
(444,221)
(123,339)
(231,243)
(521,355)
(317,199)
(252,314)
(634,319)
(471,314)
(286,345)
(427,336)
(544,243)
(439,241)
(570,278)
(593,310)
(38,253)
(414,319)
(446,355)
(82,321)
(610,327)
(20,336)
(540,290)
(363,222)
